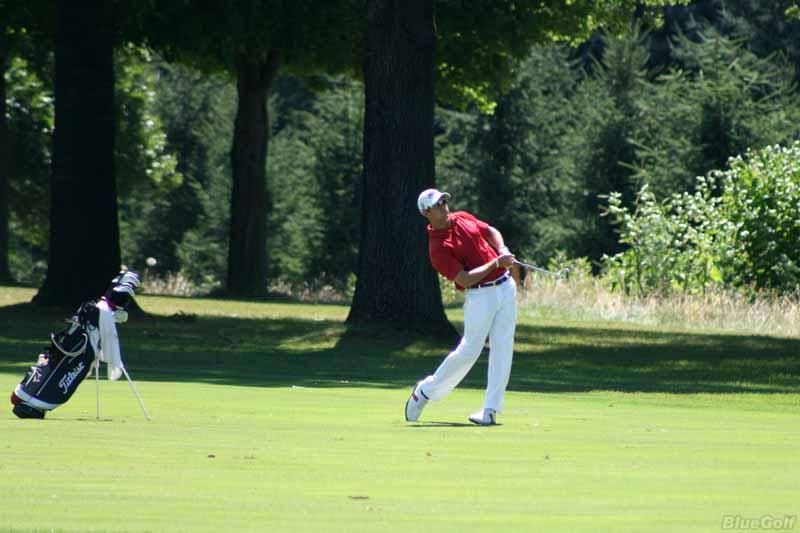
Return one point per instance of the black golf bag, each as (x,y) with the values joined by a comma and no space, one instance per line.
(64,364)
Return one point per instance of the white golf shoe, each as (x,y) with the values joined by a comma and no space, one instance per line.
(484,417)
(415,404)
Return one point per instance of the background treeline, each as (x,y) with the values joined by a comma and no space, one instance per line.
(558,162)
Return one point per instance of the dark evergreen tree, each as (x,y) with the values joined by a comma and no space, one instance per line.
(529,129)
(609,155)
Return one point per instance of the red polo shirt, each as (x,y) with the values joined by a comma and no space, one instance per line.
(462,246)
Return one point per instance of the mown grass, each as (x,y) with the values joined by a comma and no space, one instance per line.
(275,417)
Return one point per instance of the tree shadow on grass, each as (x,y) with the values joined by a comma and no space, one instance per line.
(320,353)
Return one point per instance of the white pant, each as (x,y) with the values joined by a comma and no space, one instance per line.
(488,311)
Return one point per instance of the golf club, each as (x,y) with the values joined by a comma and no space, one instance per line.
(563,273)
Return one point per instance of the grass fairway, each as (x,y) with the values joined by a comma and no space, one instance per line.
(273,417)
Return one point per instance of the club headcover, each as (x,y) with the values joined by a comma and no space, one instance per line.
(123,288)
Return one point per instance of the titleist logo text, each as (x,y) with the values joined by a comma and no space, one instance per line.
(70,376)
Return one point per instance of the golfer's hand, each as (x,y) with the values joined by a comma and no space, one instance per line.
(505,260)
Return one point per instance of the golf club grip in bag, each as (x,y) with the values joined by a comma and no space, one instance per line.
(60,369)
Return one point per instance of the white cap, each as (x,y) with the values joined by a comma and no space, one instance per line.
(429,198)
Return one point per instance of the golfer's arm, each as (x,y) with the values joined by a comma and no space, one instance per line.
(468,279)
(495,239)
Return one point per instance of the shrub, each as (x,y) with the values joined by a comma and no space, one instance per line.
(762,197)
(679,244)
(740,228)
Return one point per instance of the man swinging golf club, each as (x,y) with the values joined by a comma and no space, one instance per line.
(473,255)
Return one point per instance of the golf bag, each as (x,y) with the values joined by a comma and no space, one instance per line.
(90,337)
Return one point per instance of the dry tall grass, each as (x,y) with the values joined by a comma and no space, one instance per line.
(178,284)
(584,298)
(171,284)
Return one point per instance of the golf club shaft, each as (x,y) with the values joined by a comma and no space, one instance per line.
(537,269)
(97,383)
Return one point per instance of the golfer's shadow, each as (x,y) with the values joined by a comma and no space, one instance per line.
(435,424)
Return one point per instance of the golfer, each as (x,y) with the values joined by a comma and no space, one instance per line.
(473,255)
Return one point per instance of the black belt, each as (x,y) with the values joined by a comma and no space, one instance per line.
(498,281)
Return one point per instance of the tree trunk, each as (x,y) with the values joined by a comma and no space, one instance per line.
(397,285)
(84,251)
(247,253)
(5,271)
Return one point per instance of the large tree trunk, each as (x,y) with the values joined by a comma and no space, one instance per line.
(396,284)
(5,272)
(84,252)
(247,253)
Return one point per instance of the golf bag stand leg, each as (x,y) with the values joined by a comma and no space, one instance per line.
(97,382)
(136,393)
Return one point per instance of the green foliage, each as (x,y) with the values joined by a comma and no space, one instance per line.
(141,158)
(661,131)
(141,153)
(668,155)
(185,227)
(30,120)
(315,171)
(741,97)
(607,151)
(480,43)
(680,244)
(251,40)
(724,101)
(558,141)
(739,228)
(771,28)
(202,251)
(27,70)
(295,231)
(311,35)
(523,180)
(454,132)
(334,132)
(762,197)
